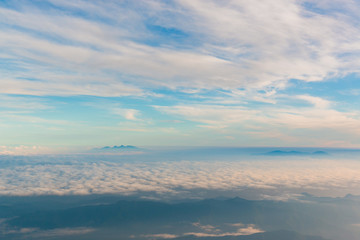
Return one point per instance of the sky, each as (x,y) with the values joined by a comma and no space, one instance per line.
(178,73)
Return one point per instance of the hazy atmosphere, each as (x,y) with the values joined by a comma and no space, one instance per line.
(181,119)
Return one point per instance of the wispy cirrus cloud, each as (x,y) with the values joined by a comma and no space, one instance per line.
(226,45)
(275,121)
(235,61)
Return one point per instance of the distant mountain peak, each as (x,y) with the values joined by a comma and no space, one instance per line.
(120,147)
(294,153)
(116,149)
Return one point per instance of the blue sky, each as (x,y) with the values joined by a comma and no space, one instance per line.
(169,73)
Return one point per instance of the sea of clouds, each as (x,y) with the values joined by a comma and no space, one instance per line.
(259,177)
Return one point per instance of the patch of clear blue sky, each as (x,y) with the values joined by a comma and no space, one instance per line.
(50,8)
(10,65)
(311,6)
(169,36)
(314,6)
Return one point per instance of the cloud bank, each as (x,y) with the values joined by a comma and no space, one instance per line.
(265,177)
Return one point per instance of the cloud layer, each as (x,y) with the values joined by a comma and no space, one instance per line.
(180,179)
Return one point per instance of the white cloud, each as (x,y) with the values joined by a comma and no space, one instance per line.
(211,231)
(243,230)
(206,228)
(26,150)
(160,235)
(316,101)
(238,44)
(276,122)
(129,114)
(213,116)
